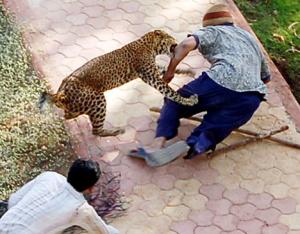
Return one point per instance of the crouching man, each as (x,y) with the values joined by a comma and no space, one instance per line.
(51,203)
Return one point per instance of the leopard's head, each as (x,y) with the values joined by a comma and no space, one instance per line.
(163,42)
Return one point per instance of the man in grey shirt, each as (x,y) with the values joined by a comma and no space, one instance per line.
(230,91)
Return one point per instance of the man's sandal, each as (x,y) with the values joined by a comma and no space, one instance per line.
(162,156)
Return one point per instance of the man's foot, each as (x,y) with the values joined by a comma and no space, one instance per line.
(191,154)
(198,150)
(142,152)
(161,156)
(138,153)
(158,143)
(166,155)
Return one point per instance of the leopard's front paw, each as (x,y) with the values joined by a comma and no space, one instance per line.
(192,100)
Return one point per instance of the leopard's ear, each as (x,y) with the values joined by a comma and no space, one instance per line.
(157,32)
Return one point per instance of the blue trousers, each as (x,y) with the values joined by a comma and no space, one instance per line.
(226,110)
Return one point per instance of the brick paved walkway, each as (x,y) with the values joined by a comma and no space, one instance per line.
(255,189)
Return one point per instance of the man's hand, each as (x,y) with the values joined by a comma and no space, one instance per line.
(168,76)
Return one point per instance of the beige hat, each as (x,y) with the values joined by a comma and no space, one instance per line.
(216,15)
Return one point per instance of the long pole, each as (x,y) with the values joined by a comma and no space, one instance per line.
(243,131)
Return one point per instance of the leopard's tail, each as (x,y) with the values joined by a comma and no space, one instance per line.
(46,97)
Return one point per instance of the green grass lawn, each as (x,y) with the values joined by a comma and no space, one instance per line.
(277,25)
(30,142)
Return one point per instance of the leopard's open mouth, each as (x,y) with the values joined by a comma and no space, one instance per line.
(172,48)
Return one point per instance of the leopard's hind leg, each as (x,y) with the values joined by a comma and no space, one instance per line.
(97,112)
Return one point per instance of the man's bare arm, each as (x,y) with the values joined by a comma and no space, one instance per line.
(88,219)
(180,52)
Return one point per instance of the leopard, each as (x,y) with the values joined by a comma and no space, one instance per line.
(82,92)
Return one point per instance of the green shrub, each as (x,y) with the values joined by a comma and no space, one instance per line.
(277,25)
(30,142)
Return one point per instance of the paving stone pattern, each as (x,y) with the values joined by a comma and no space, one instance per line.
(255,189)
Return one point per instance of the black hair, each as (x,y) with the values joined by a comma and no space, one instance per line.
(83,174)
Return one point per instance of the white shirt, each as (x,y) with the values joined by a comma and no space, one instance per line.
(48,205)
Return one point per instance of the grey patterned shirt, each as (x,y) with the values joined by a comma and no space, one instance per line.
(237,61)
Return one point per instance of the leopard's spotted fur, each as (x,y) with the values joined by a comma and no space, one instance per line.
(82,91)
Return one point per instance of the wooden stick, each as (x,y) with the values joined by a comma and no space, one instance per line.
(243,131)
(247,141)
